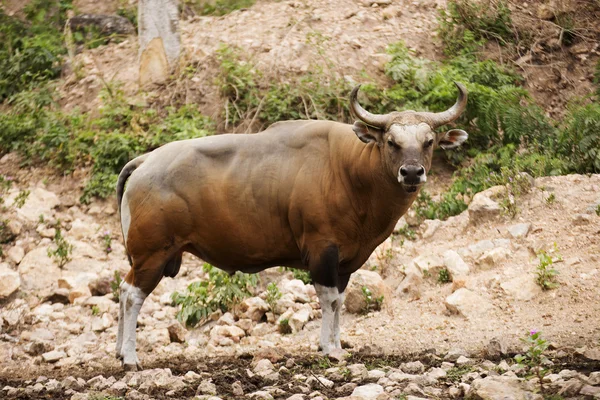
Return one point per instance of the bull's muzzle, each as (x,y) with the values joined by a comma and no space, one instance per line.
(411,176)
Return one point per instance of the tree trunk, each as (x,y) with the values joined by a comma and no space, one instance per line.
(158,25)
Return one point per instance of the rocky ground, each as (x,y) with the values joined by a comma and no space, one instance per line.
(430,340)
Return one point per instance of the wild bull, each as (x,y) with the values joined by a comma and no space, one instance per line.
(302,194)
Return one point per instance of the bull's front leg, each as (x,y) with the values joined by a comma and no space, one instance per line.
(324,273)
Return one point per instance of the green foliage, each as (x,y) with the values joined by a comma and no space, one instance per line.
(551,199)
(115,285)
(273,294)
(221,291)
(579,140)
(408,233)
(95,310)
(444,276)
(301,274)
(534,357)
(252,96)
(371,303)
(30,51)
(464,26)
(455,374)
(107,241)
(284,326)
(217,7)
(63,250)
(21,198)
(545,273)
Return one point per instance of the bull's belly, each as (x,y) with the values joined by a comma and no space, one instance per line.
(234,252)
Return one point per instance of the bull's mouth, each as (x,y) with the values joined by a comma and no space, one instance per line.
(410,188)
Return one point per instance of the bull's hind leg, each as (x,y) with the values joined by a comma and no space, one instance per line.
(139,283)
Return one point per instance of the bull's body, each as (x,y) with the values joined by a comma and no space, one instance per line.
(250,202)
(303,194)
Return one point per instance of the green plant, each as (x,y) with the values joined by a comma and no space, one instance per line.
(301,274)
(534,357)
(21,198)
(516,184)
(579,141)
(107,241)
(371,303)
(464,25)
(284,326)
(598,210)
(551,199)
(408,233)
(63,250)
(455,374)
(95,310)
(221,291)
(545,273)
(115,285)
(273,294)
(217,7)
(444,276)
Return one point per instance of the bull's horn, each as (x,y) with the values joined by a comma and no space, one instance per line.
(444,117)
(374,120)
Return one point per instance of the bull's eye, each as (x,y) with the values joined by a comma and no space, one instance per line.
(429,143)
(391,143)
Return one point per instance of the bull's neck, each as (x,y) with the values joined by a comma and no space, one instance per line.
(380,199)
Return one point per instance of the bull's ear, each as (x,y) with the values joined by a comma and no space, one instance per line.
(452,139)
(367,133)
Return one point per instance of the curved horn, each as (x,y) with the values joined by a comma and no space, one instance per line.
(444,117)
(375,120)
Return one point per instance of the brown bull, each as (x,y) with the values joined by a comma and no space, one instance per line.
(302,194)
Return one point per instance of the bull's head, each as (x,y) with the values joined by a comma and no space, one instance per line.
(407,138)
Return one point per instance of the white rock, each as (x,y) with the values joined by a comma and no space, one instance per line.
(83,230)
(39,202)
(264,367)
(253,308)
(299,319)
(467,303)
(429,264)
(482,208)
(493,257)
(519,230)
(38,271)
(355,299)
(15,254)
(53,356)
(368,392)
(9,281)
(522,287)
(500,388)
(430,227)
(455,265)
(298,289)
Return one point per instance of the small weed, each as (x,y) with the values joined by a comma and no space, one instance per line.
(41,219)
(551,199)
(408,233)
(115,285)
(455,374)
(516,183)
(107,241)
(63,250)
(301,274)
(545,273)
(284,326)
(221,291)
(273,294)
(598,210)
(346,373)
(101,396)
(95,310)
(444,276)
(534,357)
(21,198)
(371,303)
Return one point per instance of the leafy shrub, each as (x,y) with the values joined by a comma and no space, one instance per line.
(466,25)
(579,139)
(221,291)
(545,273)
(30,51)
(63,250)
(273,294)
(371,303)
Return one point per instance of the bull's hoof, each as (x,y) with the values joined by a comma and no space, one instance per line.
(132,367)
(118,356)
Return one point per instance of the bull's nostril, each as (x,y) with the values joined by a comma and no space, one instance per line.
(420,171)
(403,171)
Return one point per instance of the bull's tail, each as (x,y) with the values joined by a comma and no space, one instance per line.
(123,176)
